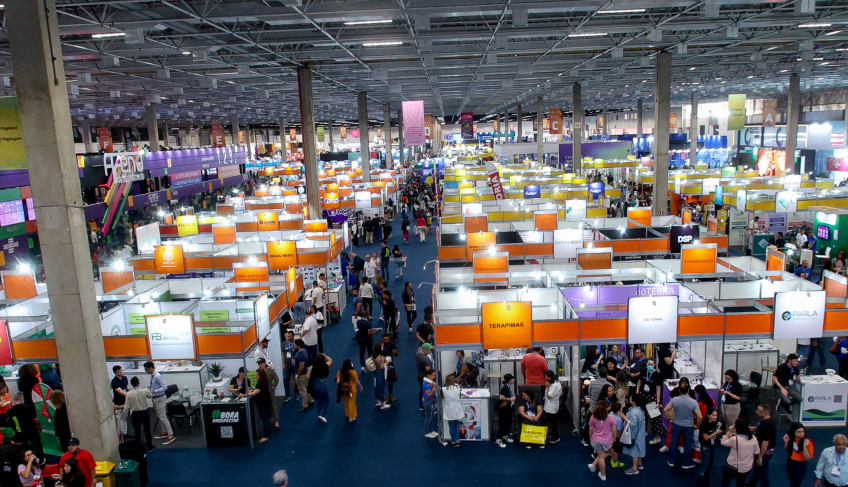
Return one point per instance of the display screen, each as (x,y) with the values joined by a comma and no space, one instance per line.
(11,212)
(823,232)
(30,209)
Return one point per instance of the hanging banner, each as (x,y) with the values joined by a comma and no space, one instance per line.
(769,113)
(171,337)
(478,242)
(413,122)
(799,314)
(736,106)
(698,259)
(219,137)
(532,191)
(494,178)
(673,121)
(555,114)
(343,132)
(262,316)
(507,325)
(293,286)
(12,149)
(354,133)
(320,134)
(429,124)
(652,319)
(267,221)
(104,137)
(187,225)
(168,259)
(466,124)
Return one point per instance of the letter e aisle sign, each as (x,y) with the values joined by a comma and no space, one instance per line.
(507,325)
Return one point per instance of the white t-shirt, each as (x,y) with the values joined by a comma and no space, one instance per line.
(800,240)
(319,317)
(371,269)
(309,332)
(552,396)
(263,353)
(366,291)
(318,297)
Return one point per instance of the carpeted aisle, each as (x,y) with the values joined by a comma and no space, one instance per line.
(387,447)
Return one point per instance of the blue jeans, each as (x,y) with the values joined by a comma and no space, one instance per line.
(760,472)
(288,376)
(384,269)
(379,384)
(430,417)
(454,430)
(321,396)
(673,452)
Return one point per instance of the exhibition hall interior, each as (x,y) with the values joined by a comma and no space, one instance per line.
(297,242)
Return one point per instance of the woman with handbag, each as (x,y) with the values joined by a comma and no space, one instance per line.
(800,450)
(743,448)
(636,423)
(348,381)
(452,408)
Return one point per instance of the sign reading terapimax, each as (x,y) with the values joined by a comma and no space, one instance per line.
(125,167)
(799,314)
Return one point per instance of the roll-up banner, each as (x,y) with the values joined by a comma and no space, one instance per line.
(495,181)
(466,124)
(413,122)
(104,136)
(219,137)
(555,115)
(429,124)
(736,105)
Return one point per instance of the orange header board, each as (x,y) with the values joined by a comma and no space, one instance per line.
(315,226)
(223,234)
(477,223)
(699,260)
(19,286)
(590,260)
(775,260)
(545,221)
(478,242)
(491,264)
(282,255)
(168,259)
(267,221)
(507,325)
(114,279)
(255,273)
(640,215)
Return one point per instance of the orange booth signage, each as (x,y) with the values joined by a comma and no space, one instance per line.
(478,242)
(168,259)
(315,226)
(19,286)
(476,223)
(594,258)
(113,279)
(775,260)
(282,255)
(639,215)
(507,325)
(545,221)
(268,221)
(223,234)
(698,259)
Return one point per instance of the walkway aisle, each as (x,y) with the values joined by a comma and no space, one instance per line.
(388,448)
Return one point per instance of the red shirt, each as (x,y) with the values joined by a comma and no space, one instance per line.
(85,460)
(534,367)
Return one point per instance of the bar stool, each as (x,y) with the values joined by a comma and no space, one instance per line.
(766,368)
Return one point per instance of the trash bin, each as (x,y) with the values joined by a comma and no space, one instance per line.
(135,450)
(127,474)
(104,473)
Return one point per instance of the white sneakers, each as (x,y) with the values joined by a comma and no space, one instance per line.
(592,467)
(663,449)
(322,419)
(432,434)
(385,406)
(602,476)
(500,443)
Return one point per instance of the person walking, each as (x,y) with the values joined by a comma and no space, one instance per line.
(553,393)
(389,351)
(766,434)
(366,292)
(400,262)
(832,467)
(385,258)
(390,313)
(157,390)
(317,376)
(301,377)
(309,334)
(408,299)
(799,450)
(289,350)
(731,393)
(685,415)
(262,400)
(404,228)
(357,265)
(319,330)
(421,229)
(364,337)
(452,408)
(380,375)
(601,436)
(428,401)
(650,384)
(743,449)
(424,365)
(708,432)
(370,268)
(136,403)
(636,420)
(274,379)
(348,382)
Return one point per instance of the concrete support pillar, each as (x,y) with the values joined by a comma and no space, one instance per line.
(152,128)
(85,129)
(387,133)
(639,118)
(606,123)
(518,114)
(364,139)
(283,146)
(793,116)
(165,135)
(693,130)
(400,134)
(234,130)
(662,127)
(540,130)
(330,130)
(577,128)
(307,130)
(45,114)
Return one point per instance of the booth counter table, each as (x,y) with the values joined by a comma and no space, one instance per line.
(747,357)
(226,422)
(191,376)
(477,423)
(823,400)
(336,295)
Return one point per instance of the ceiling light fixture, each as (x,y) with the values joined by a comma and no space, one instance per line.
(842,49)
(622,11)
(833,32)
(772,48)
(380,44)
(109,35)
(368,22)
(693,68)
(814,25)
(588,34)
(186,53)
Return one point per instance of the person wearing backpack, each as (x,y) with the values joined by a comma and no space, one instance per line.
(385,257)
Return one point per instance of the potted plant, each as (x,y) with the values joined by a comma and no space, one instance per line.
(216,369)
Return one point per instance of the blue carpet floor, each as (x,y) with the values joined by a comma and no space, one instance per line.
(387,447)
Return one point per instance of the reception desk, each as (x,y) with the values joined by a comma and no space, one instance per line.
(226,422)
(822,400)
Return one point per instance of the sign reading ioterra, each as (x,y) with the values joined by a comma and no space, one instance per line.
(168,259)
(282,255)
(478,242)
(507,325)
